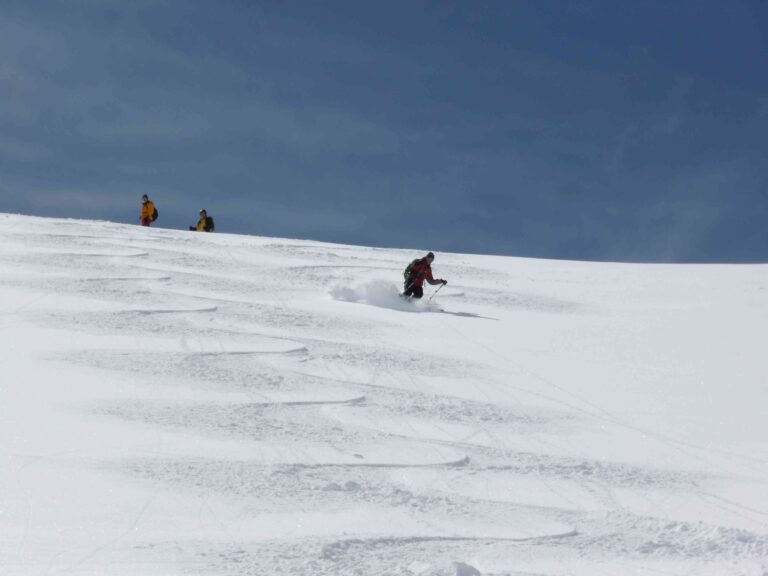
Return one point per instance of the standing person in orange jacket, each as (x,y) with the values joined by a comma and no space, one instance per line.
(148,211)
(415,274)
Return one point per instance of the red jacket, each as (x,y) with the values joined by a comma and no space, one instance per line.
(421,271)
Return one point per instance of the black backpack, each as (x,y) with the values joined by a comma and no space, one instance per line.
(408,272)
(154,215)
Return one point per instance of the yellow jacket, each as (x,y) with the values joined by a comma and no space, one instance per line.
(205,224)
(147,209)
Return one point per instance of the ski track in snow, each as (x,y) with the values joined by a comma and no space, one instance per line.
(357,445)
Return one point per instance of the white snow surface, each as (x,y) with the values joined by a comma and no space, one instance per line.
(184,403)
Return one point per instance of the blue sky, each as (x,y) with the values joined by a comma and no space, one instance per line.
(632,131)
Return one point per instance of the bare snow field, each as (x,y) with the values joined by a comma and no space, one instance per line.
(177,403)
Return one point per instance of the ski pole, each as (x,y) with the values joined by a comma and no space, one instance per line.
(435,292)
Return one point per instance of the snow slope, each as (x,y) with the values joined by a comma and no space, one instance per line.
(181,403)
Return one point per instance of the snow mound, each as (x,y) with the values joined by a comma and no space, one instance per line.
(187,411)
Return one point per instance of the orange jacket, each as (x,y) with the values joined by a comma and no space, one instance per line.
(147,209)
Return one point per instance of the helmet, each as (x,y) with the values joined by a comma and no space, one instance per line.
(430,256)
(202,211)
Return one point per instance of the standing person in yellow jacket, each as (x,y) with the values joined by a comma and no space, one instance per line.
(205,224)
(148,211)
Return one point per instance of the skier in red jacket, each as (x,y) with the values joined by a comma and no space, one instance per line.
(415,274)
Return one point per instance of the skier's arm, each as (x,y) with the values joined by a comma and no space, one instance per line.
(432,280)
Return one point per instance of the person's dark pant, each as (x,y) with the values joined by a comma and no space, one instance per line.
(413,291)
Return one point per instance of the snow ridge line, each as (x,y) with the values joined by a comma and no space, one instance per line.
(336,549)
(169,310)
(452,464)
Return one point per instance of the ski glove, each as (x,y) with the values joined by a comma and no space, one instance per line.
(444,282)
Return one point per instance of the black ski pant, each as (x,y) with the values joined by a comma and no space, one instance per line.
(413,291)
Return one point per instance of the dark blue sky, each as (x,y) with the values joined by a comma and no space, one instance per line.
(586,130)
